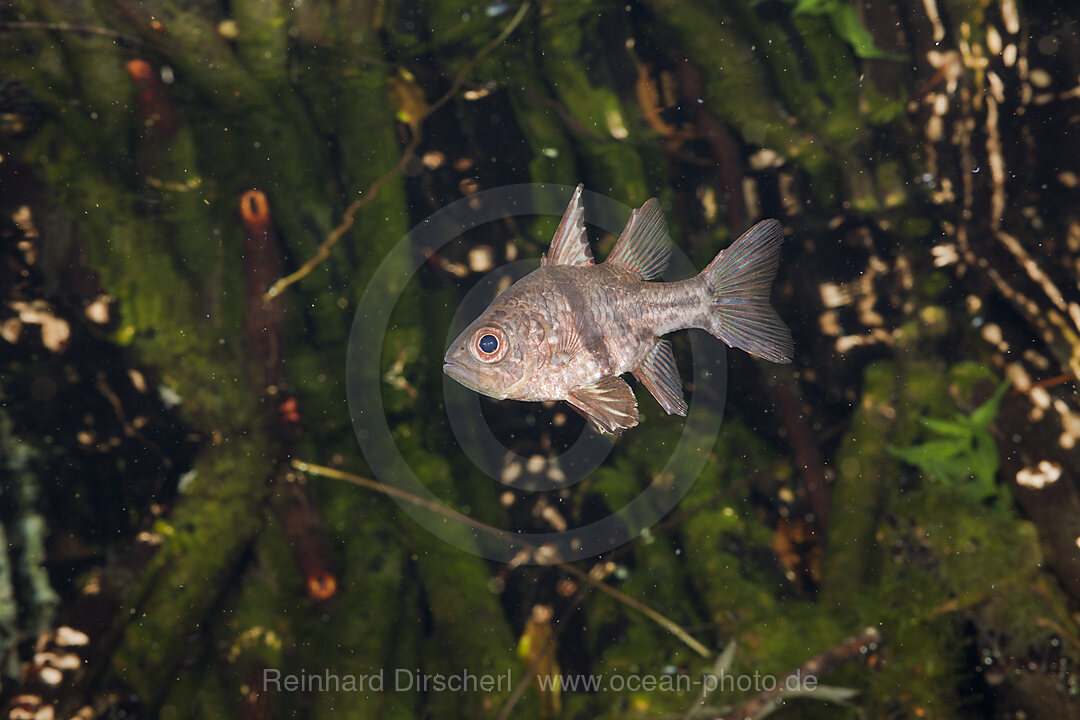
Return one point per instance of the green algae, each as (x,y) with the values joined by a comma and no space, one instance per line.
(615,167)
(262,39)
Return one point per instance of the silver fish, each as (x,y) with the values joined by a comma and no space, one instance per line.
(569,329)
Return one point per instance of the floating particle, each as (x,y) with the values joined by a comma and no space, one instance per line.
(70,637)
(1040,78)
(1045,473)
(481,259)
(98,310)
(228,29)
(765,158)
(536,464)
(10,329)
(433,159)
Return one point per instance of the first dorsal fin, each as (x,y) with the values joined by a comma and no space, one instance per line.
(644,245)
(570,246)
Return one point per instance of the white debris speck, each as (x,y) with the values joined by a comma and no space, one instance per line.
(433,159)
(168,396)
(552,516)
(137,380)
(60,661)
(833,295)
(481,259)
(1040,78)
(511,473)
(152,539)
(615,124)
(55,331)
(1008,55)
(51,676)
(228,29)
(945,254)
(98,311)
(1045,473)
(1011,16)
(536,464)
(10,329)
(765,158)
(185,481)
(70,637)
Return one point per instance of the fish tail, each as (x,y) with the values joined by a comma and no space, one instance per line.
(740,279)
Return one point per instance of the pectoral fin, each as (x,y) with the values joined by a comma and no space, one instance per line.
(660,375)
(609,404)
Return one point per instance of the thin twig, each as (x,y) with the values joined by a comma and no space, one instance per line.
(850,648)
(68,27)
(1048,623)
(523,684)
(579,596)
(668,624)
(436,507)
(347,218)
(323,251)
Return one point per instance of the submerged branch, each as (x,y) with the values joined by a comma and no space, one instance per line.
(766,701)
(664,622)
(69,27)
(323,252)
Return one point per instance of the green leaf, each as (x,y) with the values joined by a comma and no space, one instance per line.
(846,25)
(816,7)
(929,452)
(985,460)
(947,427)
(967,455)
(985,413)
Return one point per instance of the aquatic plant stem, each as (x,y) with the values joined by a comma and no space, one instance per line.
(666,623)
(579,596)
(645,610)
(766,701)
(323,252)
(72,28)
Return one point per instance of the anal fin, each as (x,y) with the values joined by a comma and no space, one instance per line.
(609,404)
(659,374)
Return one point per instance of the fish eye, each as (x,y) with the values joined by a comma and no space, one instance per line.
(488,344)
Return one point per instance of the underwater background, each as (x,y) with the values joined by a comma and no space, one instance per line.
(198,199)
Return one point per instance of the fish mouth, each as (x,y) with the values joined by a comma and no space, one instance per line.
(456,371)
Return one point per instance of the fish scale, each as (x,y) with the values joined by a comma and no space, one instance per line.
(571,328)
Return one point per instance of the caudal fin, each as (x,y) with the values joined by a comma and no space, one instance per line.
(740,278)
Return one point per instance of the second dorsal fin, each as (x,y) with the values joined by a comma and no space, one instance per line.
(644,245)
(570,246)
